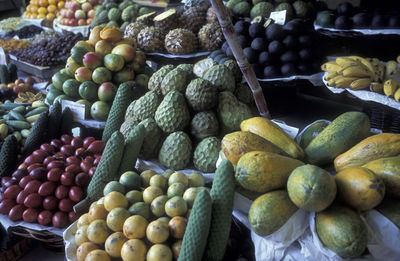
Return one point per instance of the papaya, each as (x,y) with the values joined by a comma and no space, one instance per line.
(262,171)
(311,188)
(269,212)
(342,231)
(360,188)
(236,144)
(343,133)
(390,208)
(388,169)
(273,133)
(375,147)
(310,133)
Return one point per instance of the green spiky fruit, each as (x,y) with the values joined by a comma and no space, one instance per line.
(205,155)
(172,114)
(157,77)
(152,139)
(204,124)
(176,151)
(220,76)
(201,95)
(174,80)
(146,106)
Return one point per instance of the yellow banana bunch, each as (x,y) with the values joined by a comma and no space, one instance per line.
(360,83)
(390,87)
(357,71)
(344,82)
(330,67)
(28,97)
(376,87)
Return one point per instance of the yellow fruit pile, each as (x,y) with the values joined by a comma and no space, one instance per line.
(13,44)
(38,9)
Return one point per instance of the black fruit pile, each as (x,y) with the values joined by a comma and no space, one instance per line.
(28,31)
(346,16)
(276,50)
(49,52)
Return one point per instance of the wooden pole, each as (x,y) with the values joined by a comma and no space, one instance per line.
(227,28)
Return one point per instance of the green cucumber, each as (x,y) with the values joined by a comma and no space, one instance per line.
(20,109)
(37,110)
(9,106)
(19,125)
(16,116)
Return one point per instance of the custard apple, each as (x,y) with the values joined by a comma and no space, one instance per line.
(129,111)
(243,93)
(176,151)
(204,124)
(157,77)
(146,106)
(201,95)
(127,126)
(175,80)
(205,155)
(220,76)
(172,114)
(152,139)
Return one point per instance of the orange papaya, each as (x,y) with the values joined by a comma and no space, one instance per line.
(375,147)
(236,144)
(388,169)
(360,188)
(273,133)
(262,171)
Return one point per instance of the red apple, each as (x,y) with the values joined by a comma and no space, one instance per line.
(75,6)
(93,2)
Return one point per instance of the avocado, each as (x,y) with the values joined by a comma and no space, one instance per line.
(243,41)
(229,52)
(224,46)
(289,57)
(250,54)
(258,70)
(325,18)
(259,44)
(305,68)
(306,54)
(394,22)
(361,20)
(276,48)
(343,22)
(219,57)
(271,71)
(264,58)
(345,9)
(378,21)
(274,32)
(295,27)
(242,27)
(288,69)
(215,53)
(305,40)
(256,30)
(290,42)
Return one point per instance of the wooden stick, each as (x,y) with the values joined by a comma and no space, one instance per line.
(227,28)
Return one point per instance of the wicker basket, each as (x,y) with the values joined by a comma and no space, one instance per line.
(49,240)
(16,251)
(384,118)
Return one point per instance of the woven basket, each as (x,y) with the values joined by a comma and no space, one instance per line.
(384,118)
(16,251)
(49,240)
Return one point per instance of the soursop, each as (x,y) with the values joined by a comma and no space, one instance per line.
(231,112)
(204,124)
(201,95)
(176,151)
(152,139)
(172,114)
(157,77)
(205,155)
(175,80)
(146,106)
(220,76)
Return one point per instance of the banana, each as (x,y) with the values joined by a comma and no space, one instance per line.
(364,61)
(397,95)
(332,81)
(391,68)
(390,87)
(357,71)
(344,82)
(348,66)
(376,87)
(360,84)
(330,76)
(343,61)
(330,67)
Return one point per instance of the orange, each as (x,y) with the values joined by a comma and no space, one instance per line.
(41,16)
(60,4)
(34,9)
(43,3)
(42,10)
(33,16)
(51,8)
(52,2)
(50,16)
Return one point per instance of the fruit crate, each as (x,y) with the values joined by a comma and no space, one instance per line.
(39,71)
(16,251)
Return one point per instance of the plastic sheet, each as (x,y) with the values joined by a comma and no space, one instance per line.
(182,56)
(84,30)
(360,31)
(315,79)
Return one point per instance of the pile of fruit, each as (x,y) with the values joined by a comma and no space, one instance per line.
(185,111)
(96,68)
(50,181)
(358,73)
(25,32)
(263,8)
(346,16)
(12,24)
(48,34)
(77,13)
(193,30)
(270,171)
(23,89)
(49,52)
(18,119)
(117,13)
(277,50)
(40,9)
(151,216)
(13,44)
